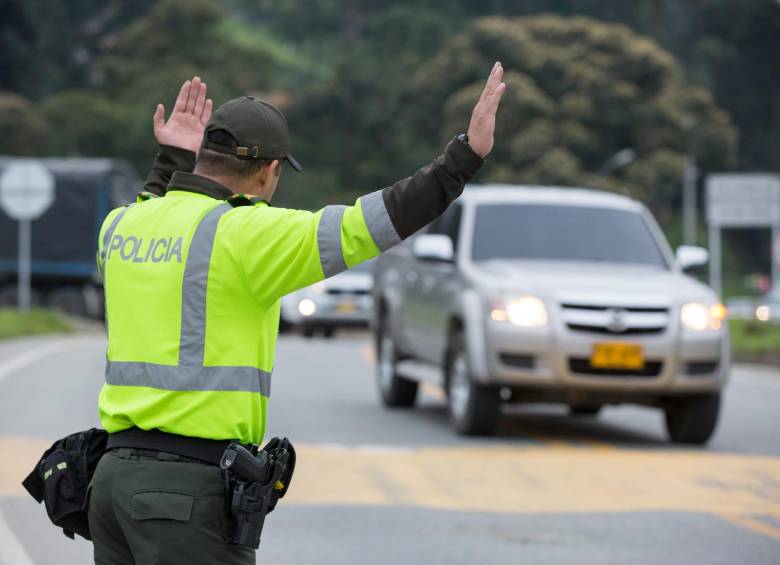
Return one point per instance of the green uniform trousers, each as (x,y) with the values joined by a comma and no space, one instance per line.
(157,509)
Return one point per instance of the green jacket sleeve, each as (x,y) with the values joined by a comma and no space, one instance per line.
(284,250)
(168,160)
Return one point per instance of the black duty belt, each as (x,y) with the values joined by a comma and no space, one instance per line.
(207,450)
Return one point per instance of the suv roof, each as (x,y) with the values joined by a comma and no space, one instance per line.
(497,193)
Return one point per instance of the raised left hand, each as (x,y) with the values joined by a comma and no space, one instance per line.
(185,125)
(483,118)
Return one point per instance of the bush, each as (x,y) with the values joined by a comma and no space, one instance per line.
(37,321)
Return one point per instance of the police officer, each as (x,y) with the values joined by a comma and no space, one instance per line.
(194,272)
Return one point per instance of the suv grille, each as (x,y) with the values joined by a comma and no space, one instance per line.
(354,291)
(583,367)
(615,320)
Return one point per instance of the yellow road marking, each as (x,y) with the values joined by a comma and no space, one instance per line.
(558,479)
(20,456)
(434,391)
(753,524)
(541,479)
(508,479)
(368,353)
(595,443)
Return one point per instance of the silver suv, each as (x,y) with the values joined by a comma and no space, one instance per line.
(537,294)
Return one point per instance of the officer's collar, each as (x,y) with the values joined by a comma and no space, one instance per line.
(200,184)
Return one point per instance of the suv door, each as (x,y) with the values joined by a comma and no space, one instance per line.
(430,297)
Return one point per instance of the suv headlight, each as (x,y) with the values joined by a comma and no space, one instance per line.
(697,317)
(307,307)
(523,311)
(763,313)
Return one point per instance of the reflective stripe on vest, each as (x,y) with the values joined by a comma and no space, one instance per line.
(171,377)
(193,289)
(378,221)
(107,238)
(190,374)
(329,240)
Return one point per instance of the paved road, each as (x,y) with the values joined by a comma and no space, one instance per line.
(378,486)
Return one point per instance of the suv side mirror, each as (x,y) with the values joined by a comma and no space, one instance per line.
(689,256)
(433,247)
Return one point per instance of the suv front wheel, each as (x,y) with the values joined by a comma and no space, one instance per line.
(474,409)
(692,419)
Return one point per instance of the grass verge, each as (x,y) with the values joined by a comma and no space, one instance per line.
(37,321)
(755,341)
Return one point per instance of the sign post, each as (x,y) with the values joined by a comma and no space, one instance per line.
(776,257)
(741,201)
(690,175)
(26,192)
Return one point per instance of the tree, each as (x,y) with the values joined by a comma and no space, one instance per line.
(50,45)
(177,38)
(86,124)
(350,128)
(173,41)
(23,131)
(578,92)
(735,47)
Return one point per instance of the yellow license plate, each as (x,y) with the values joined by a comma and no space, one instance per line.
(346,307)
(617,356)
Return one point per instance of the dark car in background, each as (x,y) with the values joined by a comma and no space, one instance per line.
(341,301)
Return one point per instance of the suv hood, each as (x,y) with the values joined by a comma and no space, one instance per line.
(607,284)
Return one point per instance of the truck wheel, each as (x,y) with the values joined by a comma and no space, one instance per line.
(308,331)
(585,410)
(474,409)
(395,391)
(328,331)
(692,419)
(68,299)
(9,297)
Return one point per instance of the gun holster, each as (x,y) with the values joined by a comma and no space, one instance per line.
(254,484)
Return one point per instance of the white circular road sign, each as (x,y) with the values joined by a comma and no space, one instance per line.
(26,189)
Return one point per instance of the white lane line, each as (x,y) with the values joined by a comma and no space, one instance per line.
(32,356)
(12,551)
(757,375)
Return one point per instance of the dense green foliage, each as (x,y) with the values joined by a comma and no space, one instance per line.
(579,91)
(373,89)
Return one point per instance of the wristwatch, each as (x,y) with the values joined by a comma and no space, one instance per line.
(464,137)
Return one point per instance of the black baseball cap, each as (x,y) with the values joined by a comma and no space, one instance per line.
(259,129)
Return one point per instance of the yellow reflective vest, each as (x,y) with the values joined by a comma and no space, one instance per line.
(193,286)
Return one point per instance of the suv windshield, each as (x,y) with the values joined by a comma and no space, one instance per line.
(563,233)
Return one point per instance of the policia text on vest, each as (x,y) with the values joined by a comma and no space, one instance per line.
(156,250)
(193,280)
